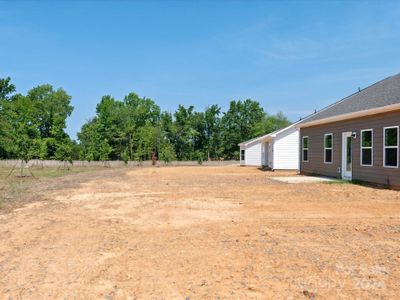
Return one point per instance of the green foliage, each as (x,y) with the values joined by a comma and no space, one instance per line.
(89,140)
(238,125)
(64,151)
(6,91)
(33,126)
(104,150)
(200,156)
(135,127)
(22,118)
(167,153)
(6,88)
(123,130)
(213,131)
(125,156)
(270,123)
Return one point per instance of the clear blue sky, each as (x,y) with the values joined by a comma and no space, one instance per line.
(291,56)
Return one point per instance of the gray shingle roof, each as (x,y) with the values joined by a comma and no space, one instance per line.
(382,93)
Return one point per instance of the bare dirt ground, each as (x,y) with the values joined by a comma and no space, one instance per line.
(200,233)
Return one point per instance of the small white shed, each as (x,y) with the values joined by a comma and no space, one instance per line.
(277,150)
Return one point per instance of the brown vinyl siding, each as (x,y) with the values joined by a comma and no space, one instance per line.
(376,173)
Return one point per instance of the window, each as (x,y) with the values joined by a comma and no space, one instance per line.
(391,146)
(241,155)
(328,148)
(367,138)
(305,148)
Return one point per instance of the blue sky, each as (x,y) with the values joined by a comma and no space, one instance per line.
(291,56)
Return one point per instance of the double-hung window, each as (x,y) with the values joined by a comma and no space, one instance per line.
(328,148)
(305,148)
(367,146)
(391,147)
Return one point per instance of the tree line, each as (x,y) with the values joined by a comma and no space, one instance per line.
(32,126)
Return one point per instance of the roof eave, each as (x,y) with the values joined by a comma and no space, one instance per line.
(268,136)
(358,114)
(260,139)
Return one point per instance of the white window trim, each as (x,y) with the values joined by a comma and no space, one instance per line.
(331,148)
(390,147)
(302,148)
(372,148)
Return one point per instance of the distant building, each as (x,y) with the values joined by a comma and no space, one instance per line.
(276,150)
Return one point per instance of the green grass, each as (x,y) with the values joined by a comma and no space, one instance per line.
(339,181)
(14,187)
(359,182)
(48,172)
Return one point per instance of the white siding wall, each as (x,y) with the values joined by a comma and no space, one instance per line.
(253,154)
(286,150)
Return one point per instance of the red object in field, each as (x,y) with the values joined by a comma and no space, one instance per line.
(153,158)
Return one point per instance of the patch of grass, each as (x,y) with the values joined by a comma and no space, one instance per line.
(342,181)
(359,182)
(338,181)
(14,188)
(48,172)
(371,184)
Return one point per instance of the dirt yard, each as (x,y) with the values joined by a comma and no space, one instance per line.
(200,233)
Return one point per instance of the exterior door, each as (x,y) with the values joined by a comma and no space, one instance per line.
(264,154)
(347,155)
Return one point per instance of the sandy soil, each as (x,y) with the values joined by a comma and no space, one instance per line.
(201,233)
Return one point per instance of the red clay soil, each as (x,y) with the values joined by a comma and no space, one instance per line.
(201,233)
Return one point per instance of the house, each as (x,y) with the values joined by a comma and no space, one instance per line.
(357,137)
(276,150)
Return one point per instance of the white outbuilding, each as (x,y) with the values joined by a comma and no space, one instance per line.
(278,150)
